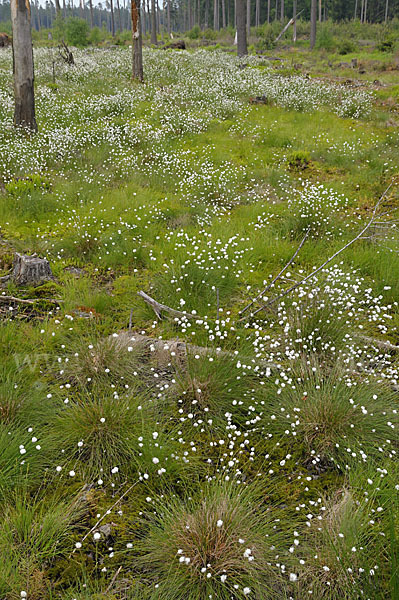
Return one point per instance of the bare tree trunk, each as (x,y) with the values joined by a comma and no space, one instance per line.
(361,11)
(268,11)
(190,16)
(241,28)
(355,9)
(137,41)
(248,18)
(24,93)
(118,4)
(168,15)
(313,19)
(365,12)
(57,7)
(216,15)
(294,17)
(386,11)
(112,18)
(206,17)
(276,15)
(91,13)
(282,11)
(153,24)
(224,14)
(319,11)
(158,13)
(257,13)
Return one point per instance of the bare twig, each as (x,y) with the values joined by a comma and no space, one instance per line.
(158,308)
(113,580)
(130,319)
(277,276)
(107,513)
(352,241)
(217,304)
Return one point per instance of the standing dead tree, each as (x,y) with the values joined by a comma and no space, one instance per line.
(241,28)
(137,49)
(24,94)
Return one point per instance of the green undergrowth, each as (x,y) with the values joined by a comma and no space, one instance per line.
(227,453)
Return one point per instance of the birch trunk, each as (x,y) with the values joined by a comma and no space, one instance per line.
(24,95)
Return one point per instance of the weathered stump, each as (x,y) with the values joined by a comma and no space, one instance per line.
(30,270)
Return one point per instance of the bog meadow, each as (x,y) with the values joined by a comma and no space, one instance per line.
(199,391)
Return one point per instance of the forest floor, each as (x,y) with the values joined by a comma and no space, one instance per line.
(258,457)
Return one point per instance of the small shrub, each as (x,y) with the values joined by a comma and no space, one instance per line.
(298,160)
(387,44)
(346,47)
(194,33)
(325,39)
(77,31)
(26,185)
(210,34)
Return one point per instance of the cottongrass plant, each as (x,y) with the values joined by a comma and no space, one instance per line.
(221,543)
(336,417)
(344,551)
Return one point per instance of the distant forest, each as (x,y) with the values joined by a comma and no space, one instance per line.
(183,15)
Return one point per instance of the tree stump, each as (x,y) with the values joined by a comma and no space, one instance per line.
(30,270)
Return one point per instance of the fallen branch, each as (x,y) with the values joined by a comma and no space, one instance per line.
(28,300)
(13,299)
(277,276)
(352,241)
(158,308)
(178,348)
(385,345)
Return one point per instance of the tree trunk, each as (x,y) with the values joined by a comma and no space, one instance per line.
(294,17)
(206,16)
(168,15)
(313,19)
(224,14)
(282,11)
(112,18)
(248,18)
(24,94)
(118,4)
(57,7)
(386,11)
(158,13)
(356,9)
(241,28)
(268,11)
(365,12)
(153,24)
(319,11)
(137,41)
(216,15)
(91,13)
